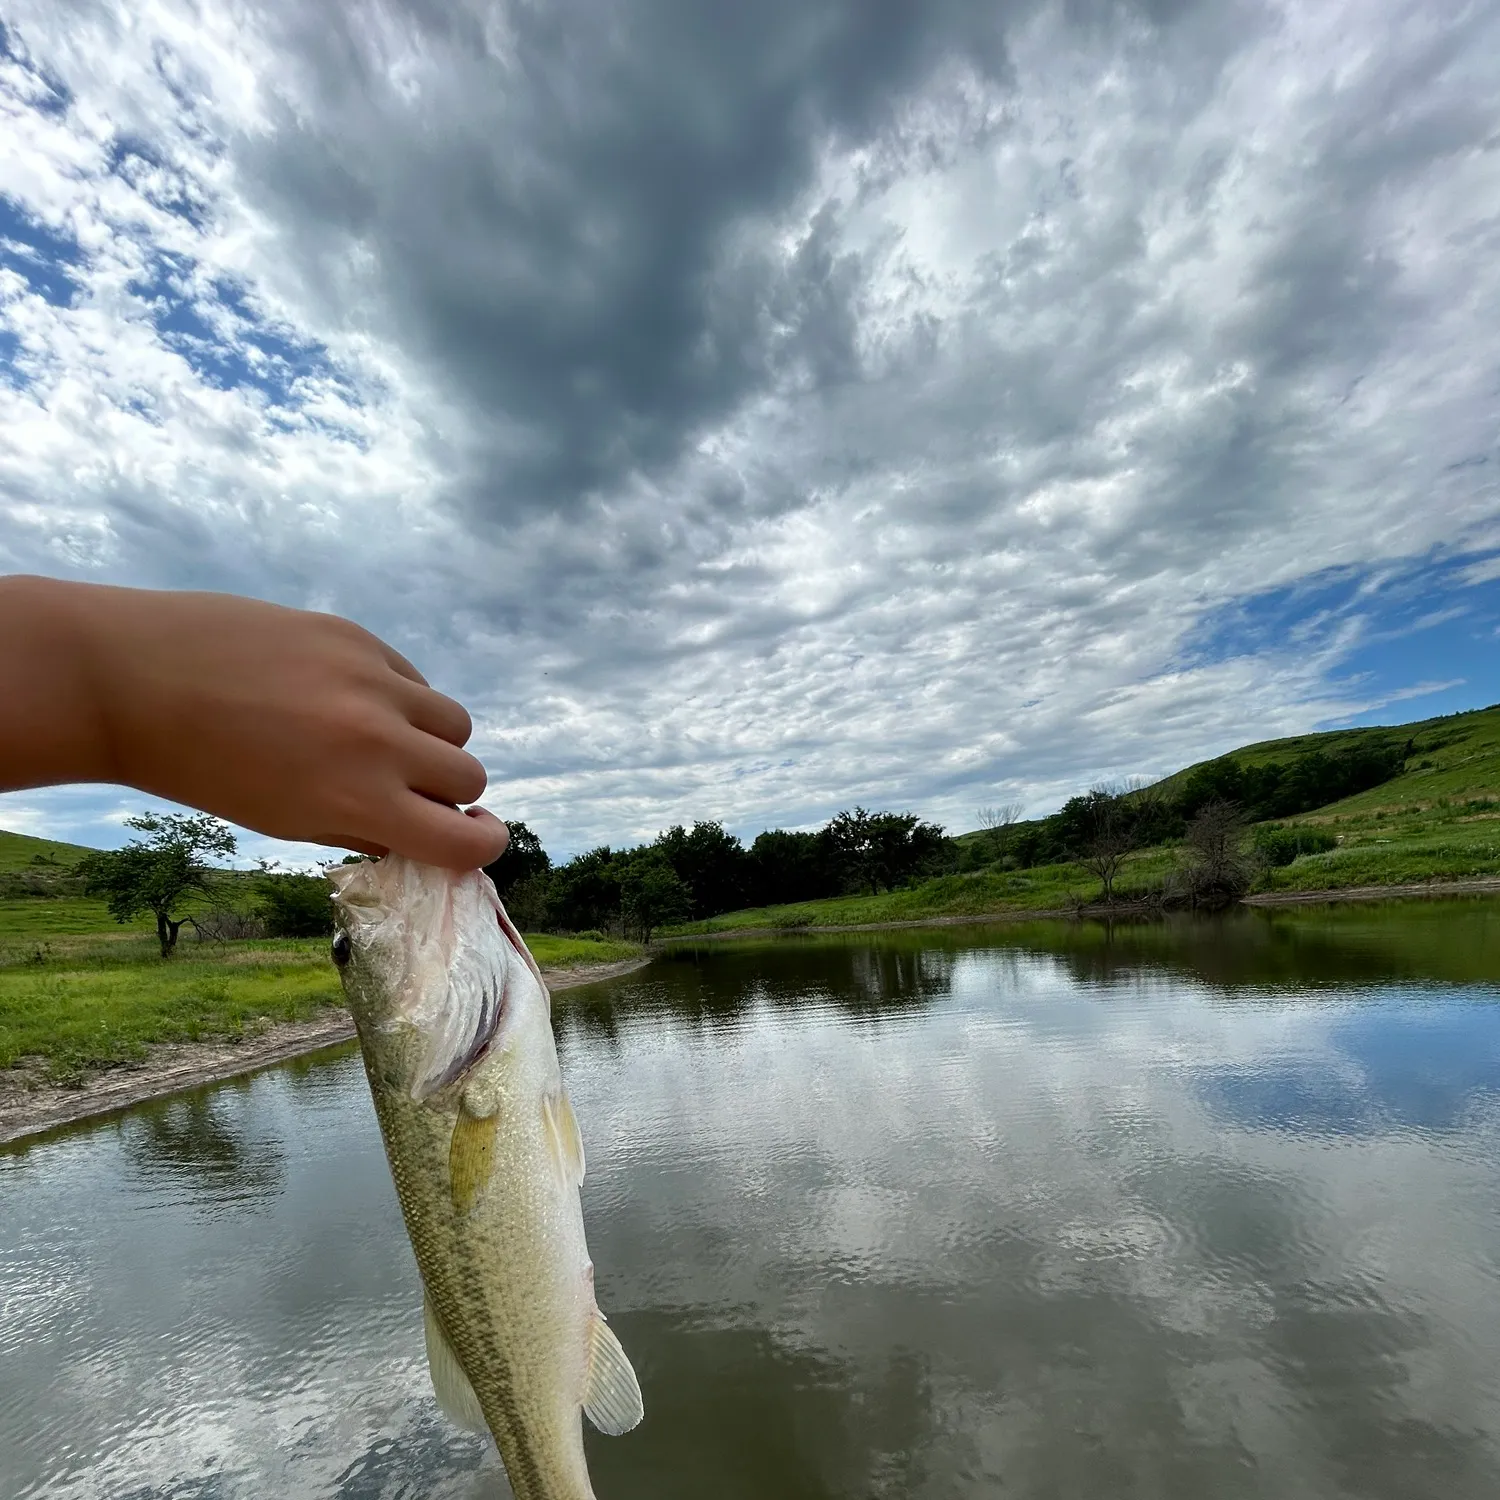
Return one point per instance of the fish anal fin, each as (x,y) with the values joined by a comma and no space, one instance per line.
(471,1157)
(562,1133)
(455,1394)
(612,1401)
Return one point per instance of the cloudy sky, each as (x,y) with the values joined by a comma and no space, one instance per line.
(752,410)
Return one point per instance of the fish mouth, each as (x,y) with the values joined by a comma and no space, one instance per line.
(447,951)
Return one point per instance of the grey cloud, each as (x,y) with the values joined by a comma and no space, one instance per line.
(568,220)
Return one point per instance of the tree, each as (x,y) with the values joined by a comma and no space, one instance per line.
(585,892)
(296,906)
(997,823)
(1157,820)
(791,865)
(883,849)
(1100,828)
(652,894)
(523,859)
(1217,869)
(157,873)
(710,862)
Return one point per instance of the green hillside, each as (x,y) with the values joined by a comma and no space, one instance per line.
(1455,757)
(1437,820)
(19,851)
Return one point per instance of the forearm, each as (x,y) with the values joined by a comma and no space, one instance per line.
(299,725)
(51,725)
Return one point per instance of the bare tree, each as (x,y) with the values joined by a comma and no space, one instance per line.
(1217,867)
(1109,827)
(997,822)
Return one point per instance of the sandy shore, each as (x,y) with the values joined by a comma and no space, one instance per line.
(28,1107)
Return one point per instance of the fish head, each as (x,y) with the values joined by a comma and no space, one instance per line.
(432,950)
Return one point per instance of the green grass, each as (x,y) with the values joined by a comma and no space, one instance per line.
(63,916)
(1045,888)
(82,1004)
(571,952)
(1397,846)
(19,851)
(82,999)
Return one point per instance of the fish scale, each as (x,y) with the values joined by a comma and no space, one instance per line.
(486,1167)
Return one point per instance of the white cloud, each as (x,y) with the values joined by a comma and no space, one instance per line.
(894,454)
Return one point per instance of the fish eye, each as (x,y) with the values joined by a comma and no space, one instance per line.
(341,949)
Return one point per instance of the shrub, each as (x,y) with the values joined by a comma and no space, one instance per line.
(1280,846)
(296,906)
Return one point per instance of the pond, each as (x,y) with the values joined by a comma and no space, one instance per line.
(1174,1210)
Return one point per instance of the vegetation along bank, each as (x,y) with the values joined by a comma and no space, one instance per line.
(109,957)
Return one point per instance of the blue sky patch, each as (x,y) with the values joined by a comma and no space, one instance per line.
(45,258)
(215,327)
(1426,635)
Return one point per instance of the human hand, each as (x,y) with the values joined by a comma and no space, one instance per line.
(299,725)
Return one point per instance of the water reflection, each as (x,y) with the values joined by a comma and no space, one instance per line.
(859,978)
(1454,941)
(196,1140)
(1154,1212)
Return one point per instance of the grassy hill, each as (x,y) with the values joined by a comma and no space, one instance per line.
(1439,819)
(19,851)
(1456,757)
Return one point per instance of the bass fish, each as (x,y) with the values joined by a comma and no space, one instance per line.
(454,1022)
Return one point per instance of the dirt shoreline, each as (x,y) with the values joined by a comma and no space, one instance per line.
(1483,886)
(28,1108)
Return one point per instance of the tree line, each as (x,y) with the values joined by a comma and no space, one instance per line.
(689,873)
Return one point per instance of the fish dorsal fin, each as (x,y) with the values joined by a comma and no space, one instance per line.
(613,1399)
(455,1395)
(562,1133)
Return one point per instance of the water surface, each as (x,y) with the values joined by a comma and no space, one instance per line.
(1179,1210)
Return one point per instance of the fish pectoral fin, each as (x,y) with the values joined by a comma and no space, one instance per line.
(613,1399)
(455,1394)
(562,1133)
(471,1157)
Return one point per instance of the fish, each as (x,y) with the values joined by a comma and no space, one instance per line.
(454,1024)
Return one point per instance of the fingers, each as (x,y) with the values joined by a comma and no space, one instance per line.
(436,834)
(442,771)
(399,663)
(495,828)
(434,713)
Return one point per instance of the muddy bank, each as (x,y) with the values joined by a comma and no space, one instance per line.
(29,1104)
(1483,886)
